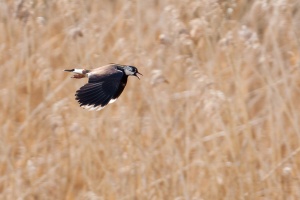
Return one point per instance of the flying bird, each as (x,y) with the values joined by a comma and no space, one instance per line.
(105,84)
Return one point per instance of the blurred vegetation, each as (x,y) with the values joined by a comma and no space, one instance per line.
(215,116)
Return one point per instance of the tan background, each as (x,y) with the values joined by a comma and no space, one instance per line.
(215,116)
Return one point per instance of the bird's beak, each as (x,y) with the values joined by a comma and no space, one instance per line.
(137,75)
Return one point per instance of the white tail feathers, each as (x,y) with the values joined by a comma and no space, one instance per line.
(80,71)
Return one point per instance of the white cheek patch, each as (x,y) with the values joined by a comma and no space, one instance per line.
(128,72)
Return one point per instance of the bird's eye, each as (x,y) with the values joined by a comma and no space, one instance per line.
(133,69)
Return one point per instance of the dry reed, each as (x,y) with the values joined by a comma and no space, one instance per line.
(215,116)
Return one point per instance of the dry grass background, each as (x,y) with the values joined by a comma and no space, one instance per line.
(215,116)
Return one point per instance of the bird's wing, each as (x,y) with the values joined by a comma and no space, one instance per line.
(97,93)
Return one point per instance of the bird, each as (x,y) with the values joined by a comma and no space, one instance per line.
(105,84)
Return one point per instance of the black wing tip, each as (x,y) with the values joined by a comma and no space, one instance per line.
(92,101)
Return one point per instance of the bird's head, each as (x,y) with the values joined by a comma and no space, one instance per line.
(131,71)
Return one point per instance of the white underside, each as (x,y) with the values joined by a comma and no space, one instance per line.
(112,100)
(91,107)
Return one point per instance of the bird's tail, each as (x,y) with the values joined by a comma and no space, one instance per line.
(79,73)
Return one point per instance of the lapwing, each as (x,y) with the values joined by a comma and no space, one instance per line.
(105,84)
